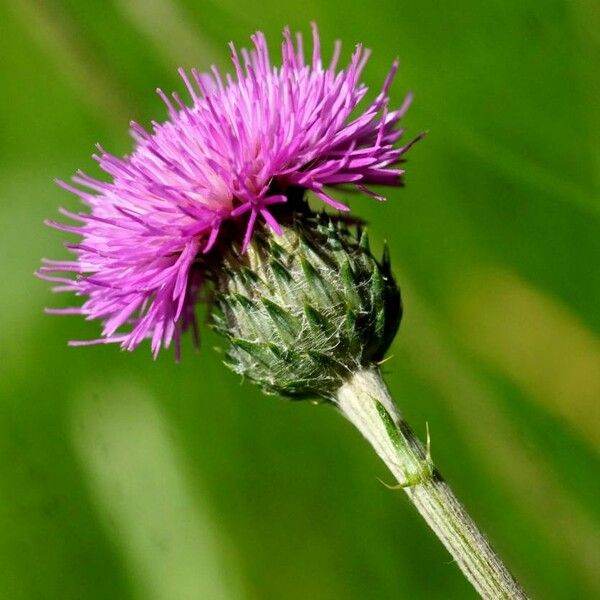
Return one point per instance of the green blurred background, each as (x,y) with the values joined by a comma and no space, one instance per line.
(121,477)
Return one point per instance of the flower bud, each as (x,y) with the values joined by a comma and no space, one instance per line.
(306,310)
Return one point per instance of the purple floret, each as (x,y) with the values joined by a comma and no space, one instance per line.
(230,155)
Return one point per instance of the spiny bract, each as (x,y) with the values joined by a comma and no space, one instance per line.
(305,310)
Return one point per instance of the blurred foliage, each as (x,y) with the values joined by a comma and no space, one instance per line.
(121,477)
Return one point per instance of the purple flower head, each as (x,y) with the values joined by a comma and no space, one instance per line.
(232,154)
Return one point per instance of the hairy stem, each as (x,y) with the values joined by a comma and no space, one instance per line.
(365,401)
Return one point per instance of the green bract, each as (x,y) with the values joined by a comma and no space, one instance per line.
(304,311)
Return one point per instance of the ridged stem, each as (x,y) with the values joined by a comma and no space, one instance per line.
(365,401)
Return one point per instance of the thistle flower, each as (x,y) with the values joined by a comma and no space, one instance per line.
(244,145)
(217,194)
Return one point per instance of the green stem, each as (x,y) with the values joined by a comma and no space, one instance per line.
(365,401)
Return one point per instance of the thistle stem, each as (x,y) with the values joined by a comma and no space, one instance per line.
(365,401)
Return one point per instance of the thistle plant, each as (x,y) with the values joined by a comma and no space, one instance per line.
(214,203)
